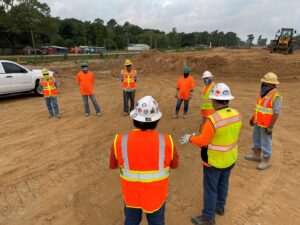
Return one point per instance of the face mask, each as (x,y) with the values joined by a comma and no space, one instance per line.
(207,81)
(46,77)
(128,68)
(186,75)
(85,69)
(265,89)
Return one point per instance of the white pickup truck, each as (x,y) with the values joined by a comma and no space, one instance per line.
(15,78)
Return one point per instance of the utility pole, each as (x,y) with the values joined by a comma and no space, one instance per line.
(33,43)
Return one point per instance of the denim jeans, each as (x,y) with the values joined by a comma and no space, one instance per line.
(86,103)
(215,184)
(186,105)
(52,105)
(262,140)
(133,216)
(128,95)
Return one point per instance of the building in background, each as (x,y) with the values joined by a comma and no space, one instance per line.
(138,47)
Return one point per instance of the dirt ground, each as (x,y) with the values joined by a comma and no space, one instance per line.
(55,171)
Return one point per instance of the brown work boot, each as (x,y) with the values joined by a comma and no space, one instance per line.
(220,211)
(175,116)
(184,116)
(200,220)
(264,164)
(256,157)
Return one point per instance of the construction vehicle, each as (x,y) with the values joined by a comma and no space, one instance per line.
(284,41)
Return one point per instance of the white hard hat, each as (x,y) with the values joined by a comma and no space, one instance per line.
(220,92)
(146,110)
(206,74)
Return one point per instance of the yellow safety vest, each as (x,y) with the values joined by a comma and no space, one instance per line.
(223,149)
(205,100)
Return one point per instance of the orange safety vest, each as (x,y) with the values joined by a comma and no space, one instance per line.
(49,88)
(144,160)
(264,108)
(128,79)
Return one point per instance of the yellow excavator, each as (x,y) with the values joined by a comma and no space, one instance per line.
(284,41)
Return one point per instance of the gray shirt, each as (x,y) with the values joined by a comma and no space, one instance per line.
(277,105)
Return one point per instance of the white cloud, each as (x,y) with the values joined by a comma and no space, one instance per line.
(243,17)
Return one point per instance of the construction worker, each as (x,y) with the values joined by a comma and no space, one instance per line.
(86,80)
(128,77)
(144,157)
(218,141)
(49,87)
(266,113)
(184,92)
(206,105)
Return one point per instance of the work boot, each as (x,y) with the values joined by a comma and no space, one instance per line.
(175,116)
(256,157)
(99,114)
(58,116)
(264,164)
(200,220)
(184,116)
(50,115)
(87,114)
(125,113)
(220,211)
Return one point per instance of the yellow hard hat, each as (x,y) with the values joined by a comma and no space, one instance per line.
(270,78)
(45,72)
(127,62)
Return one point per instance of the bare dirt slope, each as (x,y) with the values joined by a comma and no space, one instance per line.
(55,171)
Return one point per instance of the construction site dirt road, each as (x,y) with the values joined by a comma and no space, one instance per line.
(55,171)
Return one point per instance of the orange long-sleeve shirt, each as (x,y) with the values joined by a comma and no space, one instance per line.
(207,131)
(86,82)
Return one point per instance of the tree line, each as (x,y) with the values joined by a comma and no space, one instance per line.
(26,21)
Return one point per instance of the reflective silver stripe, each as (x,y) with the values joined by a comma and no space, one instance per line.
(139,175)
(222,148)
(162,145)
(264,110)
(124,152)
(145,176)
(216,117)
(225,122)
(269,98)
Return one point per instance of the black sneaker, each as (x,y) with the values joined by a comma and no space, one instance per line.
(220,211)
(200,220)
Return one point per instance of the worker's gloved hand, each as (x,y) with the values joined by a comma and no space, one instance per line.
(176,95)
(190,97)
(269,130)
(185,138)
(251,123)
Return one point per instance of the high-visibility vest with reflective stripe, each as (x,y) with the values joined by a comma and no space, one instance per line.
(144,160)
(128,79)
(205,100)
(49,88)
(264,108)
(223,150)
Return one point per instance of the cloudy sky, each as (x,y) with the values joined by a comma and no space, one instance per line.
(240,16)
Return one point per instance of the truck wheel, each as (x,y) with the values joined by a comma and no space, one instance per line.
(36,89)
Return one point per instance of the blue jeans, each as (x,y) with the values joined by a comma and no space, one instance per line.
(262,140)
(85,99)
(215,184)
(133,216)
(52,105)
(186,105)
